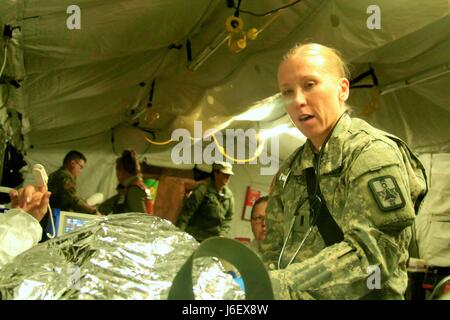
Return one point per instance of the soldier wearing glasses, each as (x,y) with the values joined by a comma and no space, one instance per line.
(258,222)
(63,185)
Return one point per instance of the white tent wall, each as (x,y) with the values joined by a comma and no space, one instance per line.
(101,151)
(97,176)
(433,221)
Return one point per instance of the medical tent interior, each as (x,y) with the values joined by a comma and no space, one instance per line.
(185,83)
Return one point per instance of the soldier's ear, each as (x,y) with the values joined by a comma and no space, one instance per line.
(344,89)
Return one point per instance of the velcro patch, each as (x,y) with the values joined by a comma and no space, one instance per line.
(386,192)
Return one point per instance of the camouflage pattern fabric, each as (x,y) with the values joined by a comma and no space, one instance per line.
(370,186)
(131,197)
(134,201)
(107,206)
(207,213)
(63,187)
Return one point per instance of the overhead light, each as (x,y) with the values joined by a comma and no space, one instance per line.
(279,129)
(261,110)
(256,114)
(294,132)
(275,131)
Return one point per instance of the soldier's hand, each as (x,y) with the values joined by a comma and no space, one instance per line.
(32,200)
(87,208)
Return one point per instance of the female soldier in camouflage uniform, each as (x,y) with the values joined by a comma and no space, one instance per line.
(208,211)
(370,183)
(132,194)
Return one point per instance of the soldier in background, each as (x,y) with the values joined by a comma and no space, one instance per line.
(208,211)
(363,186)
(63,185)
(132,194)
(258,223)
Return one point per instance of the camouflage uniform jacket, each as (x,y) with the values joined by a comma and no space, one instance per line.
(132,196)
(206,212)
(376,223)
(63,186)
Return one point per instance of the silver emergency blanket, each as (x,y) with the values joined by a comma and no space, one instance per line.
(123,256)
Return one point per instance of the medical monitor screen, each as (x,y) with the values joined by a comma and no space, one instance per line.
(71,221)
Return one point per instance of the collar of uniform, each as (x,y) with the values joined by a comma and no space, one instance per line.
(129,181)
(64,169)
(332,154)
(305,160)
(226,192)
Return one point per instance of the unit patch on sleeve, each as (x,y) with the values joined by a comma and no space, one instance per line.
(386,192)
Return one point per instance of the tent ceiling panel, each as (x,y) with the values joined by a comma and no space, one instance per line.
(107,31)
(129,63)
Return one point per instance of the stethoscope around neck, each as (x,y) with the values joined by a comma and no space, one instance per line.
(314,200)
(315,205)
